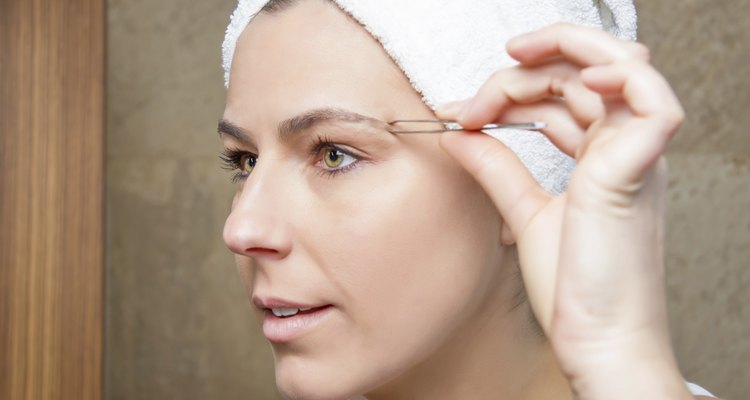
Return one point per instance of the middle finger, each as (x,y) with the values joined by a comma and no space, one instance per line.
(524,85)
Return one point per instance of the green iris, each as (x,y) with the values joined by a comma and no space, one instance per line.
(247,163)
(334,158)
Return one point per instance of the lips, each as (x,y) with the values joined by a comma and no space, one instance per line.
(285,321)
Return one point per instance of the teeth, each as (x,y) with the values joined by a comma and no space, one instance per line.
(285,312)
(288,312)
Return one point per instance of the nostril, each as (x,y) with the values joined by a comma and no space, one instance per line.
(261,250)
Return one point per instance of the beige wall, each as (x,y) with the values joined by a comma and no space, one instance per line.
(178,322)
(703,48)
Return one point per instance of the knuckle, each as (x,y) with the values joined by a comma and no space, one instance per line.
(639,68)
(502,79)
(562,25)
(676,116)
(563,28)
(640,51)
(558,86)
(499,75)
(572,30)
(563,69)
(672,119)
(642,68)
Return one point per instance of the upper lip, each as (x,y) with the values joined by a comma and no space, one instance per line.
(276,302)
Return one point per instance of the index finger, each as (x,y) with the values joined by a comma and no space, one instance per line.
(582,45)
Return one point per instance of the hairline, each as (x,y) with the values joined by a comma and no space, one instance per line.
(276,6)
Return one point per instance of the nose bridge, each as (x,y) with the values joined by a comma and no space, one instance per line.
(256,224)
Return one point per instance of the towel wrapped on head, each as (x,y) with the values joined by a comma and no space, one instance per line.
(448,49)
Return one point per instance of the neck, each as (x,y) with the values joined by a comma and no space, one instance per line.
(496,356)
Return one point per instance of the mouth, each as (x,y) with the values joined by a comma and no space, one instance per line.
(288,312)
(285,321)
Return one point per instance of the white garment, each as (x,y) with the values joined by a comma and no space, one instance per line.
(698,391)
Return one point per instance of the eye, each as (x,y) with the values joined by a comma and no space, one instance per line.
(335,158)
(240,161)
(247,163)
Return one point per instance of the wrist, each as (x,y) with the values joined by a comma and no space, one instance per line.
(634,379)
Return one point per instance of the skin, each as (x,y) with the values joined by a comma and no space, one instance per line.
(414,245)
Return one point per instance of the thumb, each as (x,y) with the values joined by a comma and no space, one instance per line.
(503,176)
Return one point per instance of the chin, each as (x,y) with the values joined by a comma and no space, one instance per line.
(300,380)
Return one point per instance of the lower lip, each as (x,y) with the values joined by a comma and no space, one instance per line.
(285,329)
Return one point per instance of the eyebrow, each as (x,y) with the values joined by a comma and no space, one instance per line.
(289,128)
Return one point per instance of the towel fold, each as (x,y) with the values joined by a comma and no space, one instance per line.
(449,48)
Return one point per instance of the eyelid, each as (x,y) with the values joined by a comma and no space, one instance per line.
(318,147)
(323,141)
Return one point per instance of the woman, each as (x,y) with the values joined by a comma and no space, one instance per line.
(387,264)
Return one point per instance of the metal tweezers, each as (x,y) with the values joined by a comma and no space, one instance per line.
(451,125)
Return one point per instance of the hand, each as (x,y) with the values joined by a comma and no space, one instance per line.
(591,258)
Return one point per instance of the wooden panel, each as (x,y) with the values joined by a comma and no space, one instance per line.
(51,185)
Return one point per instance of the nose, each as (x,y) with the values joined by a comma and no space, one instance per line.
(256,226)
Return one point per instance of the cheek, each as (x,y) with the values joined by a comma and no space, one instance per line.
(409,251)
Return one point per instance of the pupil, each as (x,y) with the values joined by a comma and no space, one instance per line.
(334,155)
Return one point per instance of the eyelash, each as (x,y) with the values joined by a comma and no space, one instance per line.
(232,159)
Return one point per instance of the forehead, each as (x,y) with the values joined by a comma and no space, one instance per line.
(308,56)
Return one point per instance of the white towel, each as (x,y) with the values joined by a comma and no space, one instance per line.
(449,48)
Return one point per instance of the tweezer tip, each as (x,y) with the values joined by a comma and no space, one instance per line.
(538,125)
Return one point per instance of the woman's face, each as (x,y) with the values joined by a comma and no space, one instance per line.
(388,232)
